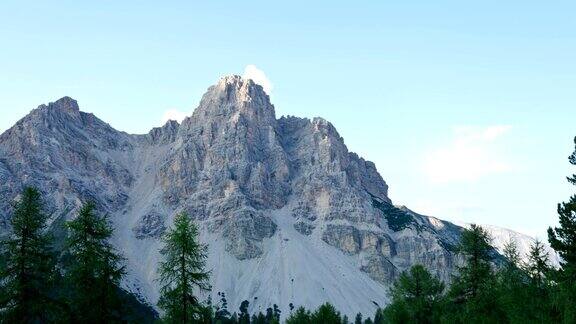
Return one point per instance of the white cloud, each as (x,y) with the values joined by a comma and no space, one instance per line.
(259,77)
(173,114)
(469,156)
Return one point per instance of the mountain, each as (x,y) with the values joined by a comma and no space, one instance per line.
(501,236)
(290,215)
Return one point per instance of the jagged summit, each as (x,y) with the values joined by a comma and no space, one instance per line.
(65,105)
(234,83)
(234,79)
(234,96)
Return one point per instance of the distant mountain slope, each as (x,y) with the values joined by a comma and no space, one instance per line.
(290,215)
(501,236)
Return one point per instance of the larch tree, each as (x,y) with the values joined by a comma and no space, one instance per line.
(182,271)
(473,295)
(95,269)
(27,276)
(415,297)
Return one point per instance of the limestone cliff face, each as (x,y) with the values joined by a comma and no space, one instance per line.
(248,178)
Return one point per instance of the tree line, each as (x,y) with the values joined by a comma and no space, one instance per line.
(82,284)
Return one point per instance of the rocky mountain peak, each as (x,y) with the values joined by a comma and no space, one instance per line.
(234,97)
(65,103)
(164,134)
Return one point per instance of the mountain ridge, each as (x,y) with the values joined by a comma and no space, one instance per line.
(291,215)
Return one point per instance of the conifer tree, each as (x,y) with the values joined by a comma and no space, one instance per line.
(259,319)
(358,319)
(222,315)
(345,319)
(300,316)
(27,276)
(538,263)
(207,313)
(511,284)
(379,317)
(95,269)
(563,240)
(244,317)
(415,297)
(269,315)
(538,271)
(276,313)
(182,271)
(326,314)
(472,294)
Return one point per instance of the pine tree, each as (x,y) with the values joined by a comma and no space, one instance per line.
(269,315)
(276,313)
(379,316)
(95,269)
(473,294)
(563,240)
(222,315)
(300,316)
(259,319)
(358,319)
(244,317)
(345,319)
(538,271)
(207,313)
(415,297)
(511,284)
(538,263)
(27,276)
(181,271)
(326,314)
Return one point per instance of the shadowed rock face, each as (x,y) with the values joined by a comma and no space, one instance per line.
(229,165)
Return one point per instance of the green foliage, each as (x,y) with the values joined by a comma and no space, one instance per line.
(563,240)
(133,311)
(326,314)
(538,267)
(472,296)
(28,273)
(380,317)
(182,271)
(94,270)
(300,316)
(244,317)
(259,319)
(539,272)
(415,298)
(511,285)
(396,218)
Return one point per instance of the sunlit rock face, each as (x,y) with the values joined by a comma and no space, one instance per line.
(289,214)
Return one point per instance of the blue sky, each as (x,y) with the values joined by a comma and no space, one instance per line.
(468,110)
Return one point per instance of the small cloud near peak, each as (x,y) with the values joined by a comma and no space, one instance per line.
(259,77)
